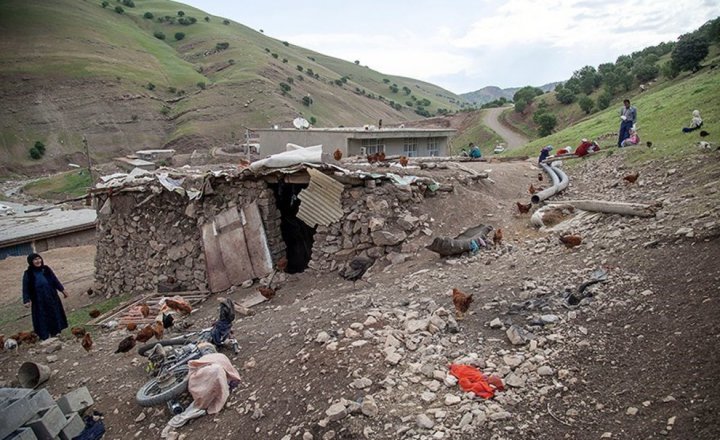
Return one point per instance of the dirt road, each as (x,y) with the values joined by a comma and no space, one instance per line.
(512,138)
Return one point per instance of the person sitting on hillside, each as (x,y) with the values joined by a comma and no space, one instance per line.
(634,139)
(544,153)
(696,122)
(586,147)
(475,152)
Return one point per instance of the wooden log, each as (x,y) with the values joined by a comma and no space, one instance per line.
(608,207)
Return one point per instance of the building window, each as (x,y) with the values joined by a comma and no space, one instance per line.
(433,147)
(373,146)
(410,147)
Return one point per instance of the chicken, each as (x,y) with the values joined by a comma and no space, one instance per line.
(540,177)
(178,306)
(337,155)
(372,158)
(158,330)
(570,241)
(78,332)
(131,326)
(25,337)
(381,156)
(2,342)
(357,268)
(90,292)
(632,178)
(524,209)
(126,344)
(282,264)
(145,334)
(649,144)
(532,189)
(498,237)
(403,161)
(267,292)
(462,302)
(94,313)
(87,342)
(144,310)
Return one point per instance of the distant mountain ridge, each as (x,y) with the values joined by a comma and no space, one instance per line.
(491,93)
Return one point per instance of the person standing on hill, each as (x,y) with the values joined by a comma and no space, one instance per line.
(628,116)
(40,293)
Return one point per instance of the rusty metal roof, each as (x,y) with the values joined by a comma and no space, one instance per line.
(320,201)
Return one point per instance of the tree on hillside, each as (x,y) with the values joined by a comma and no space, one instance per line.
(105,4)
(645,72)
(119,9)
(604,100)
(406,90)
(148,15)
(588,79)
(524,97)
(586,104)
(564,95)
(546,121)
(689,51)
(179,36)
(181,13)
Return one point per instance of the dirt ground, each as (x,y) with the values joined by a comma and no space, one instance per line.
(647,339)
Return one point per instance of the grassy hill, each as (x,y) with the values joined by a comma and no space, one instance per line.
(70,68)
(491,93)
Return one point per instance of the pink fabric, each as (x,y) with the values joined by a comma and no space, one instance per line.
(208,381)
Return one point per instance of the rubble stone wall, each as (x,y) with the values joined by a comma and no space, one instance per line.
(140,245)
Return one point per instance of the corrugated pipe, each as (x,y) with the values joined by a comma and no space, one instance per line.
(560,182)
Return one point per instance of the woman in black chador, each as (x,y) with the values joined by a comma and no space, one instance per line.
(40,293)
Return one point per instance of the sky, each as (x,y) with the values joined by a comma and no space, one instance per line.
(465,45)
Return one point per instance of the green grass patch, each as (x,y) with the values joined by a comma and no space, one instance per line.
(60,186)
(80,317)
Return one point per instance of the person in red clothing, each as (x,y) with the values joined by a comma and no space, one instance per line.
(586,147)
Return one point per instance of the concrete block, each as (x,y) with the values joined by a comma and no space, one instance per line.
(13,393)
(75,401)
(73,428)
(15,412)
(48,423)
(41,399)
(22,434)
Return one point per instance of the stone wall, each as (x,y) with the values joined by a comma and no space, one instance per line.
(141,245)
(378,219)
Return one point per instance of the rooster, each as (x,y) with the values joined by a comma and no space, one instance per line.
(498,237)
(158,330)
(25,337)
(570,241)
(632,178)
(178,306)
(337,155)
(87,342)
(403,161)
(145,334)
(267,292)
(461,301)
(531,189)
(131,326)
(126,344)
(524,209)
(94,313)
(144,310)
(78,332)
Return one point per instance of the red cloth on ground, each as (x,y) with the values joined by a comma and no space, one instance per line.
(472,379)
(582,150)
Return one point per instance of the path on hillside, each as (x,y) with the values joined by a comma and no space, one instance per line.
(512,138)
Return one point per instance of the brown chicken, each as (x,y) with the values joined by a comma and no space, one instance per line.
(25,337)
(498,237)
(461,301)
(178,306)
(94,313)
(282,264)
(403,161)
(87,342)
(2,342)
(632,178)
(267,292)
(78,332)
(144,310)
(145,334)
(131,326)
(337,155)
(570,241)
(158,330)
(531,189)
(524,209)
(126,345)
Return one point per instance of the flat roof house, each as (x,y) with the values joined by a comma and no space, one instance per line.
(356,141)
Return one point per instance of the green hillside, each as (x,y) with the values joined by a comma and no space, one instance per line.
(127,79)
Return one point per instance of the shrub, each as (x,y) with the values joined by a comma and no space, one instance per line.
(226,22)
(386,81)
(286,43)
(159,35)
(119,9)
(165,110)
(284,60)
(546,121)
(299,67)
(310,72)
(179,36)
(307,100)
(290,80)
(172,89)
(181,13)
(231,61)
(565,96)
(267,50)
(586,104)
(406,90)
(300,78)
(150,86)
(274,55)
(128,3)
(311,58)
(40,147)
(357,62)
(394,88)
(689,51)
(105,4)
(207,19)
(35,154)
(338,82)
(201,85)
(603,100)
(134,117)
(222,46)
(312,120)
(409,103)
(285,87)
(645,72)
(148,15)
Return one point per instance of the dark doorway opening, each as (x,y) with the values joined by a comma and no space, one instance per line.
(297,235)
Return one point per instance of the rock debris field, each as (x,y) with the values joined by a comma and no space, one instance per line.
(634,356)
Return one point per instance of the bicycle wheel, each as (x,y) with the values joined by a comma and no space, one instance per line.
(155,393)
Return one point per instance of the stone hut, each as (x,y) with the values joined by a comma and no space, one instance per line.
(195,230)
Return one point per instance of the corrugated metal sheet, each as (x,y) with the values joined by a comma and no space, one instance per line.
(320,201)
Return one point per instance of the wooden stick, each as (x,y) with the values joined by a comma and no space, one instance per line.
(608,207)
